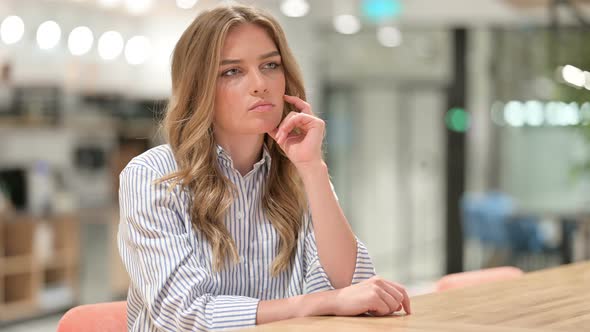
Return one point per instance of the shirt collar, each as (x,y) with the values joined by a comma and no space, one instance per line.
(265,160)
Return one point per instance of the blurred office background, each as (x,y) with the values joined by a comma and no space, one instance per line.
(458,133)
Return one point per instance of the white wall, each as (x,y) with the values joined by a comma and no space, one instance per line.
(479,161)
(424,55)
(377,211)
(426,172)
(390,171)
(388,168)
(536,166)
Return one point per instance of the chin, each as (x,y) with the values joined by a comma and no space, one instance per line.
(258,127)
(268,127)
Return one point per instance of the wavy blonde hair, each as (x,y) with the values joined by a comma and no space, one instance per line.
(188,128)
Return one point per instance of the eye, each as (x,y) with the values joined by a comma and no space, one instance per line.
(230,72)
(272,65)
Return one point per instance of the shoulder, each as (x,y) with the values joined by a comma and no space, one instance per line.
(159,159)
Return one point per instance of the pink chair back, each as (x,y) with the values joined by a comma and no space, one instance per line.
(100,317)
(469,278)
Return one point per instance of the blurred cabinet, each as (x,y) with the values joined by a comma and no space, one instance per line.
(39,262)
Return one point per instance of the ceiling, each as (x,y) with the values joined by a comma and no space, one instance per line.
(415,12)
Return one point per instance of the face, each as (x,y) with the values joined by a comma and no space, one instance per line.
(250,85)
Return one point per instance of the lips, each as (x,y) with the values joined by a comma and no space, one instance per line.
(261,106)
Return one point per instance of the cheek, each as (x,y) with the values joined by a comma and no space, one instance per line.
(222,106)
(228,99)
(231,92)
(225,96)
(280,82)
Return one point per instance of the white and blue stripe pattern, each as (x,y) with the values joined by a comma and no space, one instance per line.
(173,286)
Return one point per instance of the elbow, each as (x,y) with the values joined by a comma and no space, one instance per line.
(342,275)
(188,314)
(343,281)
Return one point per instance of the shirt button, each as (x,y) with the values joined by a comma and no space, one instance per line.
(240,215)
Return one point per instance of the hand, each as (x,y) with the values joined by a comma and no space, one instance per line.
(376,296)
(301,134)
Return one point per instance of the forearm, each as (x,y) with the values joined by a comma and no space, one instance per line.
(336,243)
(316,304)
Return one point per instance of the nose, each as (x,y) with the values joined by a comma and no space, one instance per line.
(256,91)
(259,84)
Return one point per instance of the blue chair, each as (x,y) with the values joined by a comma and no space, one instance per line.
(489,218)
(485,216)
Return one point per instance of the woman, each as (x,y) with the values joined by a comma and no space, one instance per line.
(216,226)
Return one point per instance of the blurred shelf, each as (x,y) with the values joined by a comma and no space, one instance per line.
(61,258)
(16,264)
(9,313)
(17,310)
(37,278)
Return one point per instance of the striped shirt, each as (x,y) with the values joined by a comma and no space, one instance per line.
(173,286)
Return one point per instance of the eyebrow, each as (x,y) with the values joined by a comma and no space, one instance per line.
(264,56)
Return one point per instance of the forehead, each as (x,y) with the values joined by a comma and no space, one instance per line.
(247,39)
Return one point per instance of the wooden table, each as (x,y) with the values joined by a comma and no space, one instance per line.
(555,299)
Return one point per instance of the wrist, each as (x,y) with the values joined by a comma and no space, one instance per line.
(317,304)
(312,168)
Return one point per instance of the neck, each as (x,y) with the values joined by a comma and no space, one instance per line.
(245,150)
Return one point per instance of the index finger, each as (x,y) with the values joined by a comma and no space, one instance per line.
(406,300)
(299,103)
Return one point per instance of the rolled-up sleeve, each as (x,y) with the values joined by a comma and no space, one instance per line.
(317,280)
(155,249)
